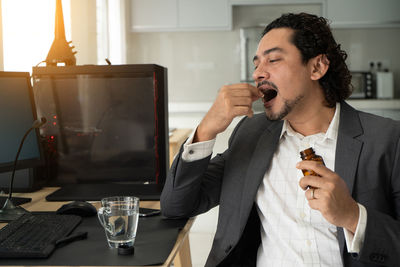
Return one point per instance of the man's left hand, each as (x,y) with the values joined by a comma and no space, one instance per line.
(330,195)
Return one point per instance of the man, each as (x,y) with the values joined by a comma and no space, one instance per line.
(270,214)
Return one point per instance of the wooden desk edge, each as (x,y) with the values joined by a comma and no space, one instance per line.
(179,134)
(182,236)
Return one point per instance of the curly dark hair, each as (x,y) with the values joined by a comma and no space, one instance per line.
(313,36)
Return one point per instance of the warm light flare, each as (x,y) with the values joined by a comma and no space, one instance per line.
(28,31)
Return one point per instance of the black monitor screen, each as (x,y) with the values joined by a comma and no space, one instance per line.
(17,113)
(105,123)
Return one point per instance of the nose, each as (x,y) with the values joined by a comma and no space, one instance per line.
(260,74)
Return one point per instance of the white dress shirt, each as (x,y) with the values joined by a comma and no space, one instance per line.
(292,233)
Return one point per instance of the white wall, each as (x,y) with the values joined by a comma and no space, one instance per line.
(198,62)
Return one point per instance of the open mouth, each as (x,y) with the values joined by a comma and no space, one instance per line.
(269,94)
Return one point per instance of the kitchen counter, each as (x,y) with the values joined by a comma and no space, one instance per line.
(375,103)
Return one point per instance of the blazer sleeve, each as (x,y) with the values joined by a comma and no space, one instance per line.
(192,188)
(382,234)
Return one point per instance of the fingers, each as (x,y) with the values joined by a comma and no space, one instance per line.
(255,92)
(314,193)
(242,89)
(310,193)
(238,98)
(311,181)
(238,105)
(239,101)
(315,198)
(315,166)
(232,101)
(325,178)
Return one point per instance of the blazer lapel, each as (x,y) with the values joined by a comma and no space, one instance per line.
(260,162)
(348,150)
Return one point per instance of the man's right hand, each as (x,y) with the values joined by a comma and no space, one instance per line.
(232,101)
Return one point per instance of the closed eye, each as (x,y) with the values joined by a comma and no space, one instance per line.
(270,61)
(274,60)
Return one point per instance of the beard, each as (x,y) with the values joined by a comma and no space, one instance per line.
(288,106)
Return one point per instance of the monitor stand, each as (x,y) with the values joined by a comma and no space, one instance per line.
(95,192)
(15,200)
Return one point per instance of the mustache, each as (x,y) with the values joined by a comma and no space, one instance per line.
(271,84)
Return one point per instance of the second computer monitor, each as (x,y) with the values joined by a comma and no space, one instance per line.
(17,114)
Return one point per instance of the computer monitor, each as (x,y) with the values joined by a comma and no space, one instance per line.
(17,113)
(106,124)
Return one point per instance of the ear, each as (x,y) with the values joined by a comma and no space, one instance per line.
(319,66)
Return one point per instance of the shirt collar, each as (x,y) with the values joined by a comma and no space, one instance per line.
(331,133)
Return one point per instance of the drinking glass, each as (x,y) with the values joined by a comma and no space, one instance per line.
(119,217)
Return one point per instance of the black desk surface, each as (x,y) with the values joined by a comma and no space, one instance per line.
(155,238)
(95,192)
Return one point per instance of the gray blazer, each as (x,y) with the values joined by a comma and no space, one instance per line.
(367,158)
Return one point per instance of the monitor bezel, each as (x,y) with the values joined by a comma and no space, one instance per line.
(161,89)
(25,163)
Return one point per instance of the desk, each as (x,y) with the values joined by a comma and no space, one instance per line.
(180,254)
(176,140)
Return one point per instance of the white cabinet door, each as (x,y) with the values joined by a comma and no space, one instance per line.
(153,15)
(180,15)
(363,13)
(204,14)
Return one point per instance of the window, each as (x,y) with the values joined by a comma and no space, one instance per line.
(111,39)
(28,31)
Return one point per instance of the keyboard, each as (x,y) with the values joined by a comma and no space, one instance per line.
(35,235)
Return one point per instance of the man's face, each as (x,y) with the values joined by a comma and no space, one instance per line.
(281,75)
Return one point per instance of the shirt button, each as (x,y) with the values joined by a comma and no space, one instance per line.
(308,243)
(302,215)
(307,145)
(191,152)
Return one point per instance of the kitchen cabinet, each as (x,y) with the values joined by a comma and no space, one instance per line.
(152,15)
(197,15)
(274,2)
(180,15)
(363,13)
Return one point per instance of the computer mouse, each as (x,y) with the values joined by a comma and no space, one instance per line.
(80,208)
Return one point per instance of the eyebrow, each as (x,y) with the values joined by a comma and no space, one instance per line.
(268,51)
